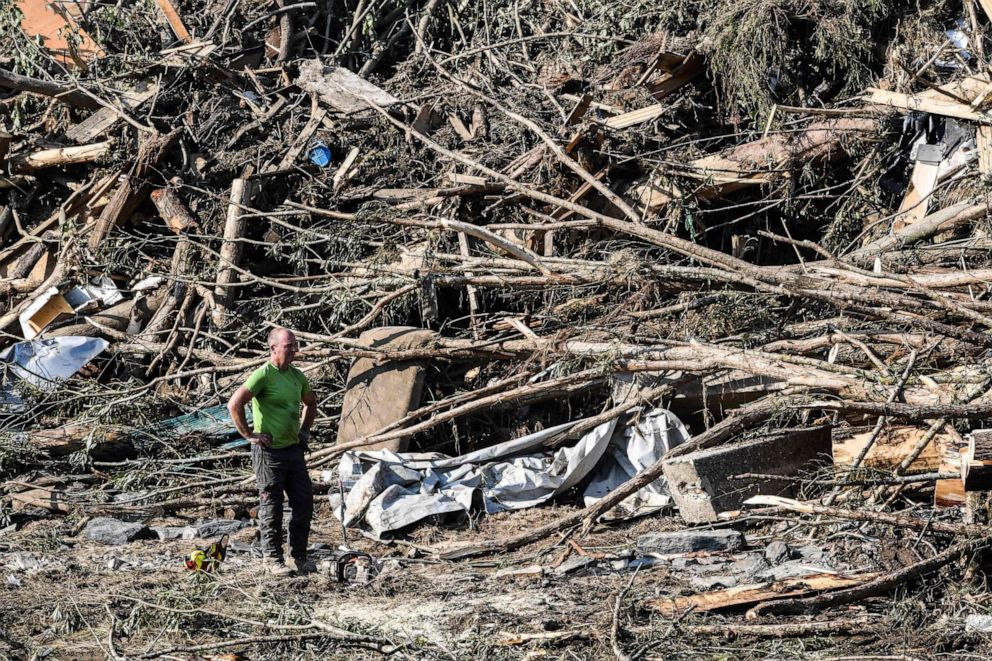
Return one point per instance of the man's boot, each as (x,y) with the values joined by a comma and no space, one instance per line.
(276,567)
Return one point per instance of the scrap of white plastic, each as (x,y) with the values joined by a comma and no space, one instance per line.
(388,491)
(641,446)
(44,363)
(960,40)
(33,309)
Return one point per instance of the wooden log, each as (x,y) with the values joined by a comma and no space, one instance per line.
(47,158)
(103,445)
(230,251)
(172,209)
(26,262)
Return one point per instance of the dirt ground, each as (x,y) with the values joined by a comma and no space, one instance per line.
(64,597)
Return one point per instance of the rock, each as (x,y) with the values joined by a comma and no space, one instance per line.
(777,552)
(748,567)
(112,532)
(812,553)
(573,563)
(975,623)
(689,541)
(706,583)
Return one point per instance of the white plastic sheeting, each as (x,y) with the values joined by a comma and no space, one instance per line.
(388,491)
(44,363)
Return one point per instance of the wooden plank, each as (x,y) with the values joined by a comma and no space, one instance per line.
(422,122)
(986,7)
(463,132)
(181,56)
(923,180)
(301,140)
(755,593)
(342,89)
(684,73)
(466,179)
(345,171)
(579,110)
(950,492)
(175,22)
(891,447)
(99,122)
(635,117)
(984,141)
(111,213)
(976,465)
(918,102)
(669,83)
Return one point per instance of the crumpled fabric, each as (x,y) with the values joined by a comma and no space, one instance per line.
(386,491)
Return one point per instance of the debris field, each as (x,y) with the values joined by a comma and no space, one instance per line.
(638,330)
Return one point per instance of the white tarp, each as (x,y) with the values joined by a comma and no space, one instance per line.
(389,491)
(44,363)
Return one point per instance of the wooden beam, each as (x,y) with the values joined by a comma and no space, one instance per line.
(756,593)
(983,139)
(175,22)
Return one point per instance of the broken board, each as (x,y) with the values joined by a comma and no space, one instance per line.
(890,448)
(755,593)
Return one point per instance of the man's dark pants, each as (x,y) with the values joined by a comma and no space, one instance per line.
(279,471)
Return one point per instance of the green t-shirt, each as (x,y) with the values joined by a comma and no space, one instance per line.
(276,402)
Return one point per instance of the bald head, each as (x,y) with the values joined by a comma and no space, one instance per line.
(278,333)
(282,347)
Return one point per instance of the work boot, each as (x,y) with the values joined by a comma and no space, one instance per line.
(304,566)
(276,567)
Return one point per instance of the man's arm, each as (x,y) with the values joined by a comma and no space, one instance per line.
(309,413)
(236,407)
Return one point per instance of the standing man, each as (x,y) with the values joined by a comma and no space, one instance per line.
(278,441)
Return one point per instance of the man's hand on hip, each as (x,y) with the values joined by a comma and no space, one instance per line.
(261,440)
(304,439)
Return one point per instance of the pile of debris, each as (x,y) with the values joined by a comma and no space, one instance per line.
(724,262)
